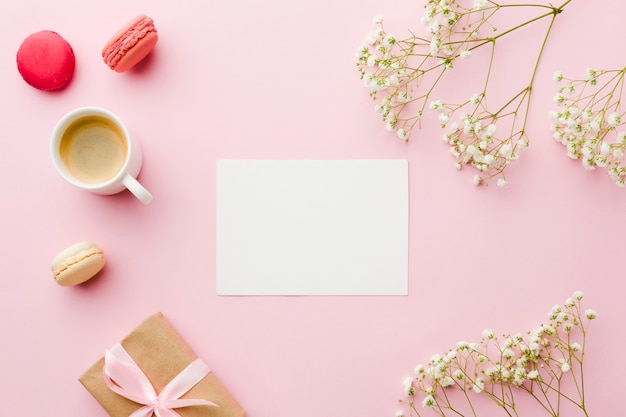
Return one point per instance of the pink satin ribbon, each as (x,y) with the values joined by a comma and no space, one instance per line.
(123,376)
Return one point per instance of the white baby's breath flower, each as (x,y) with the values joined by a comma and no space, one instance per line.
(402,134)
(523,144)
(591,314)
(437,105)
(568,90)
(488,159)
(408,386)
(361,53)
(557,76)
(488,334)
(590,74)
(374,36)
(447,382)
(614,119)
(479,4)
(519,375)
(505,150)
(378,19)
(435,45)
(428,15)
(390,40)
(419,369)
(428,401)
(449,356)
(605,148)
(502,182)
(508,353)
(479,385)
(434,28)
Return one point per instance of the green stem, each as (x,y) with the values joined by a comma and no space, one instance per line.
(554,12)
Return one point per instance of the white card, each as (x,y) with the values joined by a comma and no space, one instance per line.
(312,227)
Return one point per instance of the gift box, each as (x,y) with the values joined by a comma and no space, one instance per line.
(155,359)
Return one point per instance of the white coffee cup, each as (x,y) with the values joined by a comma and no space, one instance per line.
(92,149)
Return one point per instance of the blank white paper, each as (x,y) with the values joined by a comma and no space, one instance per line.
(312,227)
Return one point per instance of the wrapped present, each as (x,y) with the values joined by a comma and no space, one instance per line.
(153,371)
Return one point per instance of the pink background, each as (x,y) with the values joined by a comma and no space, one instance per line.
(276,79)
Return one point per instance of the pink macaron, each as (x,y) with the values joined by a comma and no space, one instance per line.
(45,60)
(132,43)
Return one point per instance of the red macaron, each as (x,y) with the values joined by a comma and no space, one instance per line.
(45,60)
(132,43)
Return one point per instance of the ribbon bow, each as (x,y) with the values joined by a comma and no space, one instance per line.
(124,377)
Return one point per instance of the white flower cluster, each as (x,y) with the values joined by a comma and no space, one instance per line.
(383,64)
(441,18)
(473,139)
(589,121)
(392,68)
(402,75)
(536,363)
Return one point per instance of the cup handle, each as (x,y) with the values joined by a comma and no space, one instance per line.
(137,189)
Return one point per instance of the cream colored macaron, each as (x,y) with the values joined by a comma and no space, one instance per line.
(77,264)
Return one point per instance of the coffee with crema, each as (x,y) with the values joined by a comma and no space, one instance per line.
(93,149)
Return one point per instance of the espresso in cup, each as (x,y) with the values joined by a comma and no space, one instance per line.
(93,149)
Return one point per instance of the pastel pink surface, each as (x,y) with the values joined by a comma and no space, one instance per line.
(131,44)
(45,60)
(479,257)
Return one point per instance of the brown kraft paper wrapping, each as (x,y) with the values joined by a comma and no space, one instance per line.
(161,353)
